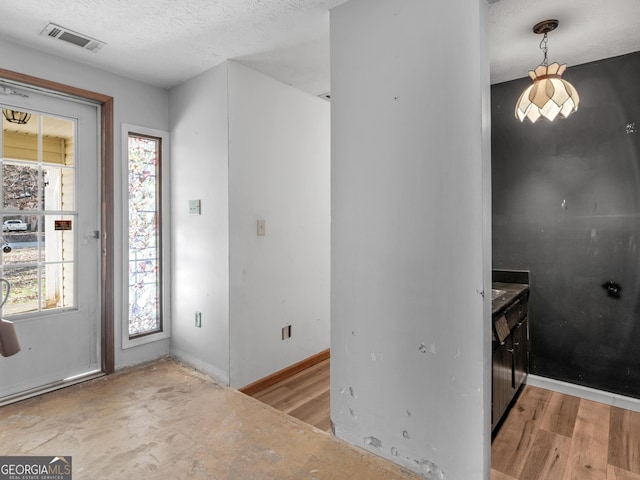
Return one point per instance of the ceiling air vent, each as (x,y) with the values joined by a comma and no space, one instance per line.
(61,33)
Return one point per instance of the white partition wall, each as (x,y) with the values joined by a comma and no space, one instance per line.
(410,245)
(278,173)
(249,148)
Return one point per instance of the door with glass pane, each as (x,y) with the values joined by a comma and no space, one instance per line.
(49,187)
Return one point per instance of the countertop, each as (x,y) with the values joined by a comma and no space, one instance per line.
(511,292)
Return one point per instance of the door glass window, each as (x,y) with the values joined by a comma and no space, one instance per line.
(37,172)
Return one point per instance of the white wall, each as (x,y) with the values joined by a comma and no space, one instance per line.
(410,330)
(200,244)
(135,103)
(290,130)
(278,171)
(249,147)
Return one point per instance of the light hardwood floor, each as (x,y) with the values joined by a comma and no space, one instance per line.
(304,396)
(546,436)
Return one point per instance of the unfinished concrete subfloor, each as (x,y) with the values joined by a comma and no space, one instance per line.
(165,420)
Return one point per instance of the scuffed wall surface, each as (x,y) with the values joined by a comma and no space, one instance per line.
(410,338)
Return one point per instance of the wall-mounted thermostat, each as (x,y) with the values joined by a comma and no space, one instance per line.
(194,207)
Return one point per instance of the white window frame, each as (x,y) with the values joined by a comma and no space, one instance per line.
(165,233)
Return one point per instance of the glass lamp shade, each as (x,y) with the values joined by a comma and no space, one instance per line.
(549,96)
(15,116)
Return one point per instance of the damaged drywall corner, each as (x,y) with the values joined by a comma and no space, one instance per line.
(423,348)
(373,441)
(430,470)
(349,390)
(376,356)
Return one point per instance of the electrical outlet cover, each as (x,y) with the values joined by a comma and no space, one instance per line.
(286,332)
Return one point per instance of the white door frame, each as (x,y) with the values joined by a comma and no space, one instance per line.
(107,283)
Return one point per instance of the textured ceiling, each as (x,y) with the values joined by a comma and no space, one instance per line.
(589,30)
(164,42)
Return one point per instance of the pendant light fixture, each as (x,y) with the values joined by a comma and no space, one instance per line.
(15,116)
(549,96)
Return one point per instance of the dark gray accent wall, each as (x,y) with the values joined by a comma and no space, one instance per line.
(566,207)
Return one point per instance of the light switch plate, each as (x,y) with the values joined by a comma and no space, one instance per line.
(194,207)
(262,227)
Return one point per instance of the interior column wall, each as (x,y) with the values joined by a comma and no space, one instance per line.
(410,245)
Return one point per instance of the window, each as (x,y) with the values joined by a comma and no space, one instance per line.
(39,214)
(146,244)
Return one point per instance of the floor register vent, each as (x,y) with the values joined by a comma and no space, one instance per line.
(61,33)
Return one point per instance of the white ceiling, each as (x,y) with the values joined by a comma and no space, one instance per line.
(164,42)
(589,30)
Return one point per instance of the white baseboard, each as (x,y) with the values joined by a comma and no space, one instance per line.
(218,375)
(601,396)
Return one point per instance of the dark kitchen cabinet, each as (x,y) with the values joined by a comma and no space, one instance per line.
(520,336)
(510,362)
(502,385)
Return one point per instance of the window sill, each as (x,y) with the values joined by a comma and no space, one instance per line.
(135,342)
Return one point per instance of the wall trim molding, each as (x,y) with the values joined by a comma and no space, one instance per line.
(587,393)
(285,373)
